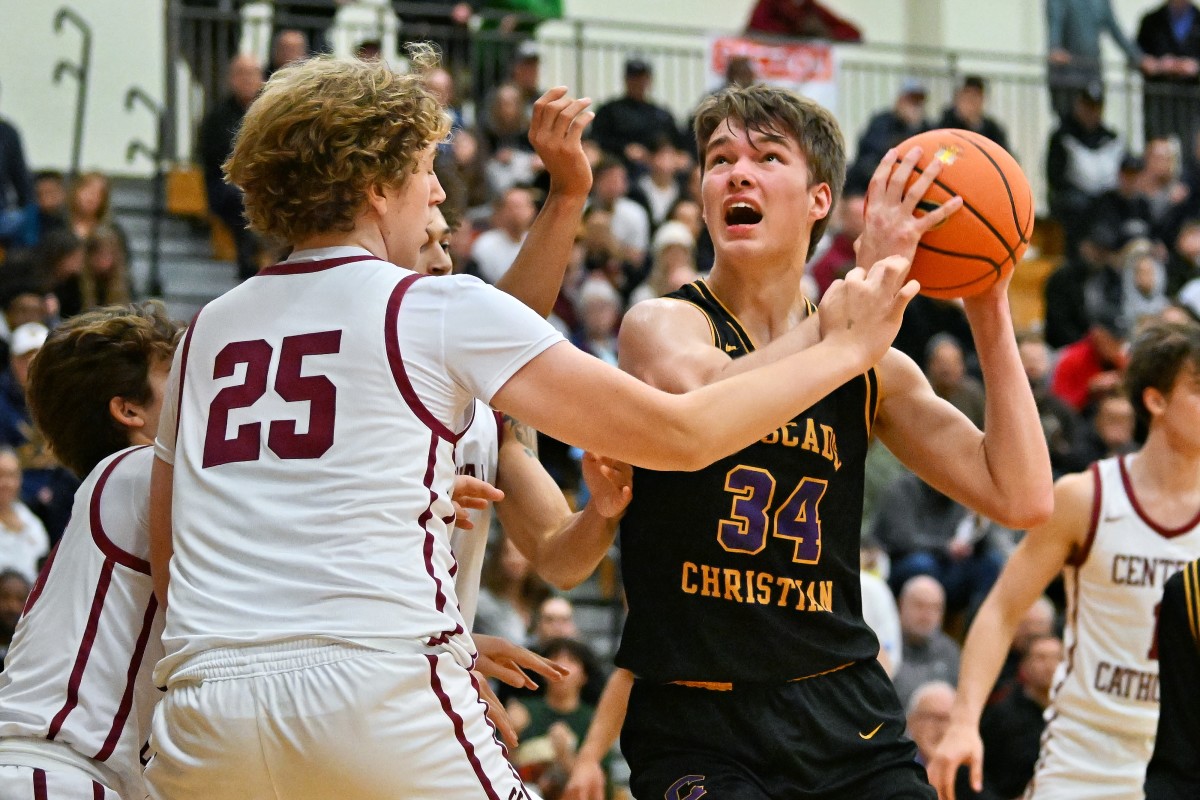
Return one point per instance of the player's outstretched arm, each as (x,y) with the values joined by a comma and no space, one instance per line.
(563,547)
(603,410)
(587,776)
(162,475)
(1037,560)
(555,132)
(1003,472)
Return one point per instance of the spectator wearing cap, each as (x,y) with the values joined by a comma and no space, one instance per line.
(672,262)
(804,19)
(630,125)
(1073,31)
(1091,367)
(966,111)
(16,426)
(1083,160)
(1124,208)
(889,128)
(1087,286)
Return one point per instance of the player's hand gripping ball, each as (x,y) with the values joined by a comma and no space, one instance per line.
(985,239)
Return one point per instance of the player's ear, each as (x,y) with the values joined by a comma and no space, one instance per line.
(127,413)
(376,199)
(822,201)
(1154,400)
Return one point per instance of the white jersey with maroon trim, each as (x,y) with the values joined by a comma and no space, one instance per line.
(78,671)
(318,407)
(477,455)
(1109,679)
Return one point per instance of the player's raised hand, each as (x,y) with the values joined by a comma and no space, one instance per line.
(610,484)
(891,226)
(961,745)
(507,662)
(556,133)
(471,493)
(864,309)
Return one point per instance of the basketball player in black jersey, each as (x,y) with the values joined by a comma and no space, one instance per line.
(756,675)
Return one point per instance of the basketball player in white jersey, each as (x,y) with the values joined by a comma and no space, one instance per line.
(1118,532)
(76,694)
(300,496)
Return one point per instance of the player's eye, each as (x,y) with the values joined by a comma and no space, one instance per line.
(771,157)
(715,160)
(445,245)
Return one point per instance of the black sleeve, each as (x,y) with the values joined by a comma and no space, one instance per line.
(16,168)
(1056,163)
(1174,769)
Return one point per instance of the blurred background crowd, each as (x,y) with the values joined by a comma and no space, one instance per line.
(1117,243)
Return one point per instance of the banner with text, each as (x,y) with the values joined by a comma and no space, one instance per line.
(809,68)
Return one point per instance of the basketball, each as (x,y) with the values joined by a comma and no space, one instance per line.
(983,241)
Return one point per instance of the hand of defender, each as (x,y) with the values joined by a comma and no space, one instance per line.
(610,484)
(864,309)
(496,711)
(556,133)
(471,493)
(587,781)
(507,662)
(961,745)
(891,226)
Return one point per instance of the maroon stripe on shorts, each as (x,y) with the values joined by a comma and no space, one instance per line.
(460,732)
(97,791)
(135,665)
(85,650)
(110,550)
(39,784)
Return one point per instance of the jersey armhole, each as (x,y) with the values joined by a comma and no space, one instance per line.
(871,405)
(712,329)
(1191,599)
(1080,554)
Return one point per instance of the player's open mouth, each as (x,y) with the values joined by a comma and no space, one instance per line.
(742,214)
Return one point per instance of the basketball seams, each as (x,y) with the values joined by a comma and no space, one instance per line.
(1012,253)
(966,256)
(1012,204)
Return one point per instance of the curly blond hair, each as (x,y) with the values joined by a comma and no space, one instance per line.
(322,133)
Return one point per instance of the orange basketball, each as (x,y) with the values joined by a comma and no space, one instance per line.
(983,241)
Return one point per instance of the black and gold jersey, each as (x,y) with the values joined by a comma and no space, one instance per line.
(748,569)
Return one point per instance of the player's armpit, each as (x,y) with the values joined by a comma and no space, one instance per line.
(161,547)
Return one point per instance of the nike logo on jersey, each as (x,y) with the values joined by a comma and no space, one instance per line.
(871,735)
(729,348)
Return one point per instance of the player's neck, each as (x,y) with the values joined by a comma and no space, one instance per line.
(1165,467)
(768,301)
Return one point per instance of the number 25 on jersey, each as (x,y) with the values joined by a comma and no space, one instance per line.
(282,439)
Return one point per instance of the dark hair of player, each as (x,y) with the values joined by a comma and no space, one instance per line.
(87,361)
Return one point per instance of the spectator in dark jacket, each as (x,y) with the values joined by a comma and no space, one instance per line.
(966,112)
(16,186)
(1086,287)
(630,125)
(1170,38)
(889,128)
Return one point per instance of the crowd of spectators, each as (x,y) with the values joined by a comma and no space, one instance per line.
(1131,231)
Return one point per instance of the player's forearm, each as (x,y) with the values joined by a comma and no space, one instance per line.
(610,716)
(1013,443)
(571,553)
(537,274)
(984,651)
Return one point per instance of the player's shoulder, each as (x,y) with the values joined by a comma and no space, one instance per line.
(125,472)
(665,318)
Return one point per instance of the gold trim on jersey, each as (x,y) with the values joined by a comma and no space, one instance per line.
(1191,595)
(738,328)
(712,329)
(727,686)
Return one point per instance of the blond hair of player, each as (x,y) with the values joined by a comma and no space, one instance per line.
(1118,531)
(303,540)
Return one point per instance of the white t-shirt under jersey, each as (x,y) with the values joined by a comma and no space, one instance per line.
(318,407)
(1109,678)
(78,671)
(477,455)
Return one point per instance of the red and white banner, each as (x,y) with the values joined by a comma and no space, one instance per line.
(809,68)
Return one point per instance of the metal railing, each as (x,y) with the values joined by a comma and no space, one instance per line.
(589,55)
(79,70)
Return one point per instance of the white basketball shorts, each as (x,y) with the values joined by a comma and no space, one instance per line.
(1078,761)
